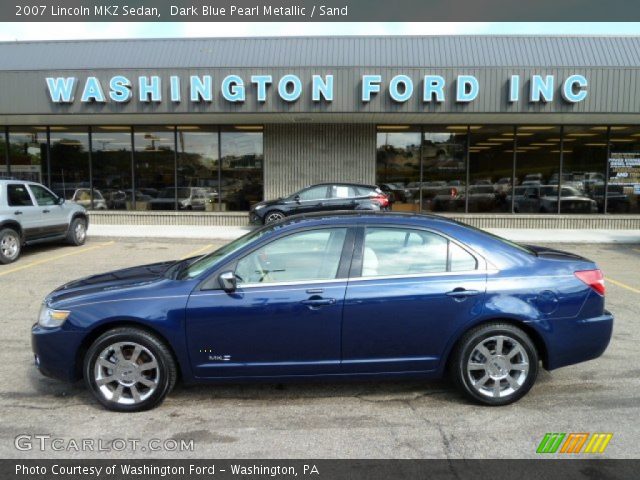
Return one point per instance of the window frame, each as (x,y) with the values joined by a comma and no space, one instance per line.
(211,281)
(355,272)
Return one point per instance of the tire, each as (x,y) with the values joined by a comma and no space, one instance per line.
(494,383)
(273,216)
(132,389)
(10,245)
(77,233)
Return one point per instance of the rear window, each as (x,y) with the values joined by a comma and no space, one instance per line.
(18,196)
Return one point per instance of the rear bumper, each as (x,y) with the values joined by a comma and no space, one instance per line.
(579,340)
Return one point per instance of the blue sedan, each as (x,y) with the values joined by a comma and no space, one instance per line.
(355,295)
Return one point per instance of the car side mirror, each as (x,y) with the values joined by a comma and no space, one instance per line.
(228,281)
(60,200)
(297,198)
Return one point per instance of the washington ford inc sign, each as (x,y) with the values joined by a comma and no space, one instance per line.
(233,88)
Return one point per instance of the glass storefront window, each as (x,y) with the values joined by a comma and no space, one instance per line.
(241,164)
(112,166)
(398,166)
(444,167)
(27,150)
(537,169)
(69,166)
(154,157)
(198,162)
(4,171)
(623,192)
(491,168)
(584,169)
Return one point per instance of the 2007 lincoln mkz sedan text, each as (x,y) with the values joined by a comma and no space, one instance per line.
(358,295)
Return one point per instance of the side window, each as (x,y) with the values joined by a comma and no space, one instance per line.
(18,196)
(314,193)
(43,196)
(396,251)
(304,256)
(342,191)
(460,259)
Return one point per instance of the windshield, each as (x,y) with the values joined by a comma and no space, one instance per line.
(204,263)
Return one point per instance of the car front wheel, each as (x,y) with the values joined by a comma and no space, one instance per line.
(129,370)
(495,364)
(274,216)
(10,245)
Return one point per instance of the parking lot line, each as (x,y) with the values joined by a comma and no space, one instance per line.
(622,285)
(56,257)
(195,252)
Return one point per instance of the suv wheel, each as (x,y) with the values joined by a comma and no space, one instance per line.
(129,370)
(10,245)
(495,364)
(77,234)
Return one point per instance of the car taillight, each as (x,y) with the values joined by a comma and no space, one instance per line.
(593,278)
(381,199)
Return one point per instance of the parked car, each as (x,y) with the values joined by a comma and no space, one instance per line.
(482,198)
(322,197)
(122,199)
(326,296)
(189,198)
(30,213)
(544,199)
(617,200)
(82,196)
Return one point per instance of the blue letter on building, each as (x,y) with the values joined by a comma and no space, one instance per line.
(283,88)
(201,88)
(261,82)
(514,88)
(467,88)
(320,87)
(93,91)
(61,89)
(120,89)
(541,89)
(370,84)
(575,88)
(233,88)
(433,85)
(150,86)
(407,89)
(174,83)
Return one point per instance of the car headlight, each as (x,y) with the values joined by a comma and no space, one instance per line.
(50,318)
(258,207)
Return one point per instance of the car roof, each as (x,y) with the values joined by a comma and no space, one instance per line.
(351,184)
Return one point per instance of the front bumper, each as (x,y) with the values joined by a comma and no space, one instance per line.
(254,218)
(579,340)
(55,352)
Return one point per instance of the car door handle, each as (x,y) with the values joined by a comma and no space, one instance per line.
(17,212)
(461,293)
(46,211)
(315,303)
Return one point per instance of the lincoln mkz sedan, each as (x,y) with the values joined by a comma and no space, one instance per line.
(359,295)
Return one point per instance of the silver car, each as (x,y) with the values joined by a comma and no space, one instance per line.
(30,213)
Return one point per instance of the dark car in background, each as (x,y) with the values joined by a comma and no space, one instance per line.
(544,199)
(324,197)
(396,193)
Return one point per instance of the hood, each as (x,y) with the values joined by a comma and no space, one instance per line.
(269,203)
(110,281)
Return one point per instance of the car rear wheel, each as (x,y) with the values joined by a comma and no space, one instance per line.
(274,216)
(129,370)
(495,364)
(10,245)
(77,233)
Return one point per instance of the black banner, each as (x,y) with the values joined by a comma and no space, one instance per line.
(318,11)
(546,469)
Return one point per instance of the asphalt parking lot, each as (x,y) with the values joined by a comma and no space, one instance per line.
(406,419)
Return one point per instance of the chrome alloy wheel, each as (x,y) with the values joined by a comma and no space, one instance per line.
(9,245)
(126,373)
(497,366)
(274,217)
(80,231)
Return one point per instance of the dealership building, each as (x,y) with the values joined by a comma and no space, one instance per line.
(537,131)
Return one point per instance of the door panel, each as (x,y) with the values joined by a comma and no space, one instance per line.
(52,217)
(403,324)
(22,208)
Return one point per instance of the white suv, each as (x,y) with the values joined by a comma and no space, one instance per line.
(30,213)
